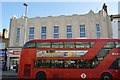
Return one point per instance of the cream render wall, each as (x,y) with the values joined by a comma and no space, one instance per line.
(89,20)
(115,28)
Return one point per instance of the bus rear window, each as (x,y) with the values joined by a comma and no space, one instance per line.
(29,45)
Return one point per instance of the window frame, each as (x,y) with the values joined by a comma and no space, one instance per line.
(31,33)
(98,31)
(43,33)
(56,31)
(18,35)
(82,29)
(69,31)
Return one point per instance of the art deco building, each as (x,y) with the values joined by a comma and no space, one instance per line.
(90,25)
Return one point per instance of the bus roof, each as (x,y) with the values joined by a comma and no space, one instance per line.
(73,39)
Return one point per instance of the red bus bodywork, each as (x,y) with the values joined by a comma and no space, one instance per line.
(28,56)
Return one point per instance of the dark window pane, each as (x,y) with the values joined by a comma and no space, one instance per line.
(29,45)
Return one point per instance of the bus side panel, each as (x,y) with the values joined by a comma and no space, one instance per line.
(69,73)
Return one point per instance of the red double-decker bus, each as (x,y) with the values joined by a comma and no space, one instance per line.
(70,59)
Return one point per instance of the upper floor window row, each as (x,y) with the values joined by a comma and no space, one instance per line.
(82,31)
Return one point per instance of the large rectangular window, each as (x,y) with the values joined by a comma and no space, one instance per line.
(56,32)
(98,30)
(43,32)
(82,31)
(31,33)
(69,31)
(18,35)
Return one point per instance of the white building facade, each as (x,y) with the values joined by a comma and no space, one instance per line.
(116,23)
(91,25)
(116,26)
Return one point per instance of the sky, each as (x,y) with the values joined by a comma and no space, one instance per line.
(44,9)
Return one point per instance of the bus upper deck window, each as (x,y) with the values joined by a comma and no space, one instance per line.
(117,44)
(29,45)
(109,45)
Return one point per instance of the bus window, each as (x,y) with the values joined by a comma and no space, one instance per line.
(115,64)
(57,44)
(92,43)
(103,52)
(82,64)
(69,45)
(119,63)
(54,63)
(65,63)
(46,64)
(117,44)
(43,45)
(84,44)
(29,45)
(60,64)
(109,45)
(38,63)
